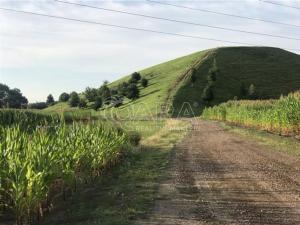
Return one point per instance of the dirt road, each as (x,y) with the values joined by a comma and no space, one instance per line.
(217,177)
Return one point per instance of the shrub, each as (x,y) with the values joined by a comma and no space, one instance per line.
(144,82)
(37,105)
(132,92)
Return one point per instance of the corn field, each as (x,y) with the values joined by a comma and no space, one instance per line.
(26,119)
(47,161)
(280,116)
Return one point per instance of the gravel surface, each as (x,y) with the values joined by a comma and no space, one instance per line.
(217,177)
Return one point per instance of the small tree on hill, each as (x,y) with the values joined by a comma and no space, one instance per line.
(74,99)
(252,92)
(104,92)
(123,88)
(50,100)
(132,92)
(64,97)
(97,104)
(144,82)
(136,76)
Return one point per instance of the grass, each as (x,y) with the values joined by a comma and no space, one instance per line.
(127,192)
(273,71)
(285,144)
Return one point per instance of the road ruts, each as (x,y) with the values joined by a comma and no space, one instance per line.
(216,177)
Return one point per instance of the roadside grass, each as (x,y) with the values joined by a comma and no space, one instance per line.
(126,192)
(288,145)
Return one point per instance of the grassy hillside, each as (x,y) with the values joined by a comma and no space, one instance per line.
(272,71)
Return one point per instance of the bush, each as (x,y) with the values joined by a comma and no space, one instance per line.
(134,138)
(90,94)
(97,104)
(144,82)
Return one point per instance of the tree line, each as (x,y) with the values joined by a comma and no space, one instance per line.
(94,98)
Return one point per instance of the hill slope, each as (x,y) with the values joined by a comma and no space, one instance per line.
(272,71)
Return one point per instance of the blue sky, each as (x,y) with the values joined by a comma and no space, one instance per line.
(41,55)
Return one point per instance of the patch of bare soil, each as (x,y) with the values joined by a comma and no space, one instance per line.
(217,177)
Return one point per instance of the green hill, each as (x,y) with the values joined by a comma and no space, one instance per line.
(272,71)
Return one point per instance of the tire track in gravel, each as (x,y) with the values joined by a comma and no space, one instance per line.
(216,177)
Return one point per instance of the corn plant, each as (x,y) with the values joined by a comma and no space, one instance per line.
(281,116)
(31,162)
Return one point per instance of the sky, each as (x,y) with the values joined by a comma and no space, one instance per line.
(42,55)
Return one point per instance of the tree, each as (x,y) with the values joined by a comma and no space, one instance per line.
(11,98)
(104,92)
(132,92)
(144,82)
(74,99)
(136,76)
(82,103)
(123,88)
(97,104)
(207,94)
(90,94)
(252,92)
(64,97)
(50,100)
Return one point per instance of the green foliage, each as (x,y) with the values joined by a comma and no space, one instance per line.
(135,77)
(50,100)
(243,91)
(193,75)
(11,98)
(280,116)
(252,92)
(32,164)
(26,120)
(64,97)
(82,103)
(144,82)
(97,104)
(74,99)
(37,105)
(104,92)
(207,94)
(91,94)
(132,92)
(273,71)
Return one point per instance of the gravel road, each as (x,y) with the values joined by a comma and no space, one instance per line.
(217,177)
